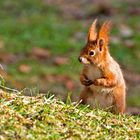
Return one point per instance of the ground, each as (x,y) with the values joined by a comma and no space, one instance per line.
(47,118)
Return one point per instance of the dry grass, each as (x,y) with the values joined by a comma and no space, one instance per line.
(41,117)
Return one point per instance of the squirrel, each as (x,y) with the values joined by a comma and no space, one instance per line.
(101,75)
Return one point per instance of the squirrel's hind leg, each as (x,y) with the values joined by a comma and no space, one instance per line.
(84,95)
(119,100)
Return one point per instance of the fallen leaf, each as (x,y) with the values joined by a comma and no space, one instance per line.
(61,60)
(70,85)
(134,10)
(7,57)
(63,79)
(115,39)
(104,8)
(129,43)
(50,78)
(25,68)
(40,53)
(55,78)
(10,80)
(126,31)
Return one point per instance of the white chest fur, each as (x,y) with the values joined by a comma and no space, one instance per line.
(101,95)
(93,73)
(101,100)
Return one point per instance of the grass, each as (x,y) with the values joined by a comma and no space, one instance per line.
(34,23)
(41,117)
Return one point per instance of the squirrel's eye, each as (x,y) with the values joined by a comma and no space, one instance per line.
(92,53)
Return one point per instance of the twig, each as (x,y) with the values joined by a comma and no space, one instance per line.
(9,89)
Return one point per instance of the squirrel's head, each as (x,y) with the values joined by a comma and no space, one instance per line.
(96,47)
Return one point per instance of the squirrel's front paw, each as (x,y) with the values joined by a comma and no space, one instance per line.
(96,82)
(87,82)
(99,82)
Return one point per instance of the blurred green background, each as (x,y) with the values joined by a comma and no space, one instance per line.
(40,41)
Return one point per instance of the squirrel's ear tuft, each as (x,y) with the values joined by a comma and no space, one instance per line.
(92,35)
(104,31)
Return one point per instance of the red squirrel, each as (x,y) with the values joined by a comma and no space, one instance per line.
(101,75)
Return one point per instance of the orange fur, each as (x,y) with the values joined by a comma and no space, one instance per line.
(101,75)
(84,95)
(92,32)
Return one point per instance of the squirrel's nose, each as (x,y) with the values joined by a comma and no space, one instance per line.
(80,59)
